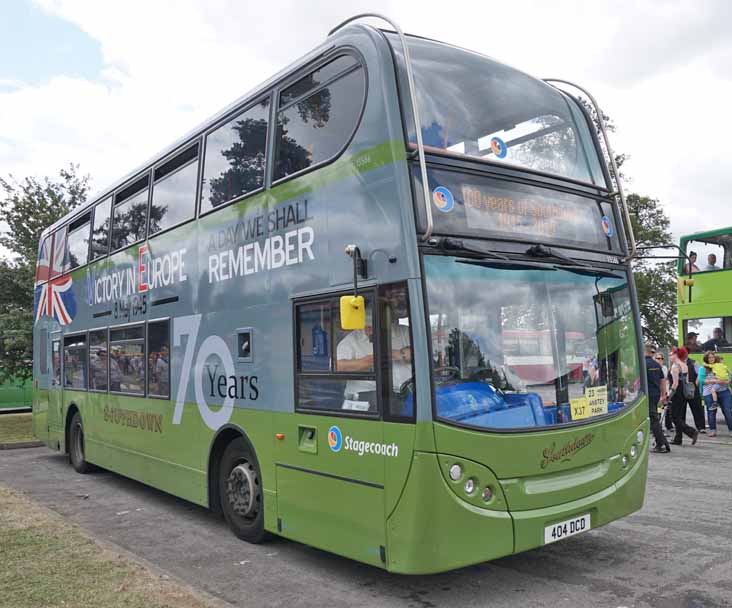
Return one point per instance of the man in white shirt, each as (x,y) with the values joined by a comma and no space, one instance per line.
(355,353)
(712,262)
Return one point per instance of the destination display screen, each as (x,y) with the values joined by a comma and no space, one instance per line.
(473,205)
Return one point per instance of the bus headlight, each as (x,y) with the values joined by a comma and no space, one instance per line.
(487,494)
(639,437)
(624,461)
(633,451)
(456,472)
(470,486)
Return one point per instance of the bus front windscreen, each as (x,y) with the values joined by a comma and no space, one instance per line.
(474,106)
(516,347)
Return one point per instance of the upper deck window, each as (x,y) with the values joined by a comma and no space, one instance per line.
(174,191)
(130,214)
(317,116)
(708,253)
(100,231)
(235,159)
(473,106)
(79,241)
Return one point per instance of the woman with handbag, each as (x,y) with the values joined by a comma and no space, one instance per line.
(682,390)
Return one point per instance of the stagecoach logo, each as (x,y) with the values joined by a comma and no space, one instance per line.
(443,199)
(335,439)
(607,226)
(565,454)
(499,147)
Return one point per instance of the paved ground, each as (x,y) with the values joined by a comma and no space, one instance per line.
(675,553)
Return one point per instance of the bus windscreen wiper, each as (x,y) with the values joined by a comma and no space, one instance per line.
(542,251)
(450,244)
(587,271)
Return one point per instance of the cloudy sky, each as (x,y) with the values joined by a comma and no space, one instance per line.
(107,84)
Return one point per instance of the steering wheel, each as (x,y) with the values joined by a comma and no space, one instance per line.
(452,372)
(406,387)
(482,373)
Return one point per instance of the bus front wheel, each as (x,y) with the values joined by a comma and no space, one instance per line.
(240,492)
(76,445)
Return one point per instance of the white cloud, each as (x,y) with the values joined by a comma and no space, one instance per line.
(661,70)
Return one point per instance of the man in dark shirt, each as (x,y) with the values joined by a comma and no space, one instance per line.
(656,389)
(717,340)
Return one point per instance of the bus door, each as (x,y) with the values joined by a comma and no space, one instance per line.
(333,461)
(55,388)
(41,386)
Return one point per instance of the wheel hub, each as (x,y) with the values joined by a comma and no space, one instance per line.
(241,488)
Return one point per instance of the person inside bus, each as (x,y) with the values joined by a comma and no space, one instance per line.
(712,262)
(717,340)
(593,374)
(355,353)
(691,343)
(690,266)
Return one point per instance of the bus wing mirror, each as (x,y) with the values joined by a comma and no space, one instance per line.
(353,312)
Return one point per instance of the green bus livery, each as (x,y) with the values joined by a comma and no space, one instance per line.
(381,305)
(705,280)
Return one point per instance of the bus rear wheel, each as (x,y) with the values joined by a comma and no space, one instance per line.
(76,445)
(240,492)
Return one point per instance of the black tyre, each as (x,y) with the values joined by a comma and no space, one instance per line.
(76,445)
(240,492)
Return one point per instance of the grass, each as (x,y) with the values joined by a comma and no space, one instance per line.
(16,427)
(46,562)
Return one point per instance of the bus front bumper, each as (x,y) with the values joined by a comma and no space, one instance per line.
(433,530)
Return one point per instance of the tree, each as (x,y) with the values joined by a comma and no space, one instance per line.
(28,207)
(654,280)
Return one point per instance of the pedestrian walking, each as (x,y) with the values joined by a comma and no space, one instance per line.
(656,392)
(681,391)
(695,403)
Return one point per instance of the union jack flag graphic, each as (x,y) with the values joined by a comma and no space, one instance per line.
(54,298)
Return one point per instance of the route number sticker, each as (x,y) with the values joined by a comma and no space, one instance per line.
(563,529)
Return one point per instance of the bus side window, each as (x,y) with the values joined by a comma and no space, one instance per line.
(335,367)
(79,241)
(316,127)
(98,360)
(129,214)
(396,344)
(56,362)
(127,360)
(75,368)
(158,358)
(100,229)
(174,191)
(235,154)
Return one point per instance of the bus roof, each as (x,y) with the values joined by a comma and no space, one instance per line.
(696,236)
(203,126)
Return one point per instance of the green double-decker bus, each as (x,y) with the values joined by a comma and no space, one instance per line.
(381,305)
(705,280)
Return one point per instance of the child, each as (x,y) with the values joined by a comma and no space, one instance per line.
(710,373)
(720,371)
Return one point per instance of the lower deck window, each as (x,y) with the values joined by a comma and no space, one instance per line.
(127,360)
(158,359)
(75,362)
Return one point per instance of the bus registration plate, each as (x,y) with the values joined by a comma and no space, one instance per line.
(563,529)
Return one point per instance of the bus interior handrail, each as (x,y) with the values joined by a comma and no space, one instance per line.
(415,111)
(613,165)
